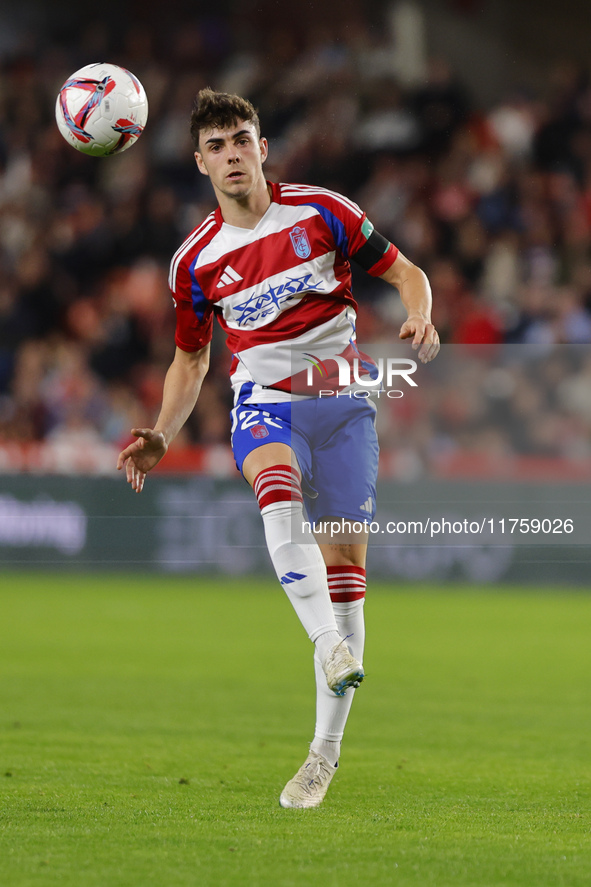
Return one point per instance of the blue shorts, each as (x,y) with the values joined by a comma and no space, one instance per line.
(335,443)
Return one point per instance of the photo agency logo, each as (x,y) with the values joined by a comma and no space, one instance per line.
(359,376)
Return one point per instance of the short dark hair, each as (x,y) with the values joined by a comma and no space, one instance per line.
(219,110)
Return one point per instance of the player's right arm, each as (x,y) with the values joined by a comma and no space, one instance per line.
(181,390)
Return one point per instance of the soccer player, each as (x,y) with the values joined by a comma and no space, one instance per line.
(272,263)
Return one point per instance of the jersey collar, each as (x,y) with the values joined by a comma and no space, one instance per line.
(275,198)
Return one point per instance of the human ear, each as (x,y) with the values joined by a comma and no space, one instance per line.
(200,164)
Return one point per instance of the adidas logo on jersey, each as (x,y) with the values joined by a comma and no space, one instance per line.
(367,505)
(229,276)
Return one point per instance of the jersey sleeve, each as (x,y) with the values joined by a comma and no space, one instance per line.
(355,236)
(376,254)
(194,315)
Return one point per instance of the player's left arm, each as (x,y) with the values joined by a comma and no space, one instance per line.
(375,254)
(413,285)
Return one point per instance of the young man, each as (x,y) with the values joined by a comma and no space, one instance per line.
(272,262)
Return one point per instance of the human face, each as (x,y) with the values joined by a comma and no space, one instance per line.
(233,159)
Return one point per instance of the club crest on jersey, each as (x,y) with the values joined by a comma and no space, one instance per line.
(259,431)
(300,242)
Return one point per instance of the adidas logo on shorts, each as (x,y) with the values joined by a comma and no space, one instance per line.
(367,505)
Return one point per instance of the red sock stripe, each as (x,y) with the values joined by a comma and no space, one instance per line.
(278,484)
(346,583)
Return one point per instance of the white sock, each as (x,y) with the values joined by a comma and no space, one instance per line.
(332,711)
(329,750)
(325,642)
(301,570)
(351,624)
(299,565)
(347,586)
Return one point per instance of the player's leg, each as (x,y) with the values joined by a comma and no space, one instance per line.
(344,477)
(262,437)
(272,471)
(345,564)
(346,576)
(346,468)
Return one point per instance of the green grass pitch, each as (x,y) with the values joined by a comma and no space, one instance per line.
(148,724)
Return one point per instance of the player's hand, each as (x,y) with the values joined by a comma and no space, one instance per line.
(424,336)
(142,455)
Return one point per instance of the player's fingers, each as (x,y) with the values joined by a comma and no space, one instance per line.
(422,336)
(426,355)
(146,433)
(420,332)
(138,479)
(142,435)
(125,454)
(129,471)
(430,348)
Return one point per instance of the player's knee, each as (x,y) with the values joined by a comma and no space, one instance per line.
(346,555)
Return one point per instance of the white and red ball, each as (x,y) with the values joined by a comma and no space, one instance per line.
(101,109)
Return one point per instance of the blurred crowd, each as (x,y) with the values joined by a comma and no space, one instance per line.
(493,203)
(506,410)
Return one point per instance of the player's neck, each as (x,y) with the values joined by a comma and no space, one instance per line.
(245,212)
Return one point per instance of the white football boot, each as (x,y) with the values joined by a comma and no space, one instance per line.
(342,669)
(310,784)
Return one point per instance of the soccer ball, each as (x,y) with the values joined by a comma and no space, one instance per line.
(101,109)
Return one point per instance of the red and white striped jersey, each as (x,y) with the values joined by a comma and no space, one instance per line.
(279,290)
